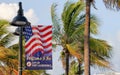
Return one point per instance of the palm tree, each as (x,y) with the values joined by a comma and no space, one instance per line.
(69,34)
(109,4)
(64,35)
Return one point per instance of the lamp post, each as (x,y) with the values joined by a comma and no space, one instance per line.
(20,21)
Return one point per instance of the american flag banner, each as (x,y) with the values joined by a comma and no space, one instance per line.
(38,47)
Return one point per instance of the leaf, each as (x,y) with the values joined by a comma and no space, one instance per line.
(73,52)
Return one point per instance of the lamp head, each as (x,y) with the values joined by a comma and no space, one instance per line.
(17,31)
(20,20)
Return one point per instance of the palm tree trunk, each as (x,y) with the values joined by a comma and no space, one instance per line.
(67,63)
(86,40)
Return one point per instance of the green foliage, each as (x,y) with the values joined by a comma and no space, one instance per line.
(56,24)
(76,68)
(69,18)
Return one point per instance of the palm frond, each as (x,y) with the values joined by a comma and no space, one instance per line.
(14,47)
(96,61)
(100,48)
(6,54)
(69,16)
(66,6)
(112,4)
(79,7)
(76,68)
(74,52)
(94,25)
(3,24)
(66,18)
(7,39)
(73,68)
(79,30)
(57,32)
(62,58)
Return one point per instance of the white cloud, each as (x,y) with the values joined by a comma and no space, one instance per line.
(9,11)
(31,16)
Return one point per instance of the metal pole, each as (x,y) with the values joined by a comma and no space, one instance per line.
(20,51)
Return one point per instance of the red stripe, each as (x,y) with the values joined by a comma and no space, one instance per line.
(33,39)
(40,25)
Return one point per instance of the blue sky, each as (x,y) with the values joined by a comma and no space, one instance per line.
(38,12)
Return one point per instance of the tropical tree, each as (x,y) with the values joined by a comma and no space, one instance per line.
(111,4)
(69,33)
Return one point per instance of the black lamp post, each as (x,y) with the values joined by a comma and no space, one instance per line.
(20,21)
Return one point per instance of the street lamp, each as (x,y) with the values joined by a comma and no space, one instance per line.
(21,22)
